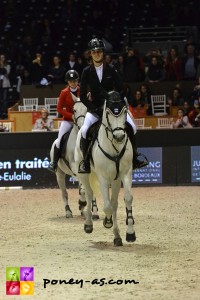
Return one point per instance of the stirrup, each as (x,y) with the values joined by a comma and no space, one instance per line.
(84,167)
(138,164)
(52,167)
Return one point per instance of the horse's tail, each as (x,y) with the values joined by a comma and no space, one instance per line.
(94,183)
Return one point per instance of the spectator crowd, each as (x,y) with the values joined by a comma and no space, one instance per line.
(40,58)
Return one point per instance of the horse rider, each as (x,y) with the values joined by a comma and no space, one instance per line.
(96,81)
(65,108)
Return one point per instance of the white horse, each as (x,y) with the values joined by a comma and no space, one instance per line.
(66,164)
(111,161)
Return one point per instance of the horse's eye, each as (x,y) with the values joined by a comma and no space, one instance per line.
(74,111)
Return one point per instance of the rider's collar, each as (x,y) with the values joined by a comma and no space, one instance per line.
(73,90)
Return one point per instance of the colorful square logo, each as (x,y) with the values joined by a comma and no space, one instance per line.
(19,281)
(26,288)
(13,274)
(26,274)
(12,287)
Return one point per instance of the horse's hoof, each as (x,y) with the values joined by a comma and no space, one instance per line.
(118,242)
(131,237)
(68,212)
(95,217)
(108,223)
(69,215)
(88,228)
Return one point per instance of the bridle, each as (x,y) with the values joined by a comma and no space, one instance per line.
(77,118)
(108,128)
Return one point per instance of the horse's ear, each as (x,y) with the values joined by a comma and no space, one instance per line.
(105,103)
(126,101)
(75,99)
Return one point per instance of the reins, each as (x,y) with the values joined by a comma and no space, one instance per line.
(116,158)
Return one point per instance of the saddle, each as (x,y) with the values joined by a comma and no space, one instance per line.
(93,133)
(63,143)
(91,137)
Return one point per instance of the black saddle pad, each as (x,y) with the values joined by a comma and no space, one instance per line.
(93,130)
(63,143)
(92,134)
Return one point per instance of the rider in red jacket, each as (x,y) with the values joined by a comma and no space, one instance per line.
(65,108)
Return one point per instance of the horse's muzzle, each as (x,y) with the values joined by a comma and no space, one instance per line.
(119,137)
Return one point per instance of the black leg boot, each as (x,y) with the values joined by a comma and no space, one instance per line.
(56,155)
(84,166)
(137,163)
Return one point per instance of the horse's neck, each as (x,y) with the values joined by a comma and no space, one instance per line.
(75,129)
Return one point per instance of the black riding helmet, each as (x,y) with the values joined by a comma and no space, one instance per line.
(96,44)
(71,75)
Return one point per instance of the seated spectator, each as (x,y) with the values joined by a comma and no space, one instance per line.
(146,98)
(190,63)
(187,108)
(154,53)
(120,65)
(108,59)
(182,120)
(4,85)
(25,77)
(138,100)
(86,59)
(194,114)
(44,122)
(196,91)
(72,64)
(56,71)
(146,94)
(173,65)
(155,71)
(176,99)
(3,128)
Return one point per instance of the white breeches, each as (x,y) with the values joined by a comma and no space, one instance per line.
(91,119)
(130,121)
(64,127)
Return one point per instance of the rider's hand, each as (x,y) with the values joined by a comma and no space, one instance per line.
(89,96)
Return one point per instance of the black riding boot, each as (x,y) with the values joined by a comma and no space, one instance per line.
(53,164)
(84,166)
(137,163)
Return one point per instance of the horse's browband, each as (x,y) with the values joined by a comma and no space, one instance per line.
(115,111)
